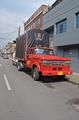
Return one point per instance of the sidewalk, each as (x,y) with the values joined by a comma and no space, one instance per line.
(74,78)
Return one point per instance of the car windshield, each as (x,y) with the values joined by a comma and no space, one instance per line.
(44,51)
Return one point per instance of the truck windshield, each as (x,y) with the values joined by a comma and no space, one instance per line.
(44,51)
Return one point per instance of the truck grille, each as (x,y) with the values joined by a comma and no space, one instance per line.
(57,63)
(57,68)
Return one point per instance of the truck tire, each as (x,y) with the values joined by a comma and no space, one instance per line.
(35,74)
(12,63)
(19,66)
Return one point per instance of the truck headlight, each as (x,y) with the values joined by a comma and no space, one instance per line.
(67,62)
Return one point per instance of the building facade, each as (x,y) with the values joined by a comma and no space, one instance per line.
(10,48)
(35,21)
(62,23)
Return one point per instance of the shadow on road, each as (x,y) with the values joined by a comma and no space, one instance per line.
(47,81)
(53,79)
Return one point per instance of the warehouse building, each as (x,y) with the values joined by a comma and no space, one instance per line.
(62,23)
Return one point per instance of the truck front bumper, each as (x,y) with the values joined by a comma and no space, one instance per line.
(56,71)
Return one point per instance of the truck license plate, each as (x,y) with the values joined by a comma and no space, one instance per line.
(60,73)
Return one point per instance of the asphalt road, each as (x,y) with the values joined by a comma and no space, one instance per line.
(21,98)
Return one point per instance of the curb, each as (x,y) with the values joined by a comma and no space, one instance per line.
(73,82)
(73,79)
(77,74)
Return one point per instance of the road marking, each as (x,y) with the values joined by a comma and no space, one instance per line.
(7,83)
(0,65)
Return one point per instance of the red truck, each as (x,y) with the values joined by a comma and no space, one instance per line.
(33,52)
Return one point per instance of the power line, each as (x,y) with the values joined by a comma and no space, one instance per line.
(9,32)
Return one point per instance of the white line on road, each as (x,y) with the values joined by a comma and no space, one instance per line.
(7,83)
(0,65)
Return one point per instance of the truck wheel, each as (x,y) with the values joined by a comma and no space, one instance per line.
(12,63)
(35,74)
(18,67)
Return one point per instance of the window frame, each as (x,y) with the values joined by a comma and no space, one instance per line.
(77,22)
(61,26)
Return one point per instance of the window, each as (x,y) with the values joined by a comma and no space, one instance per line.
(77,20)
(61,26)
(66,52)
(44,51)
(78,53)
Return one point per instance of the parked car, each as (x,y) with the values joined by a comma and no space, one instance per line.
(5,56)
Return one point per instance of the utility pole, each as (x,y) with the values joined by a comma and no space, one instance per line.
(19,32)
